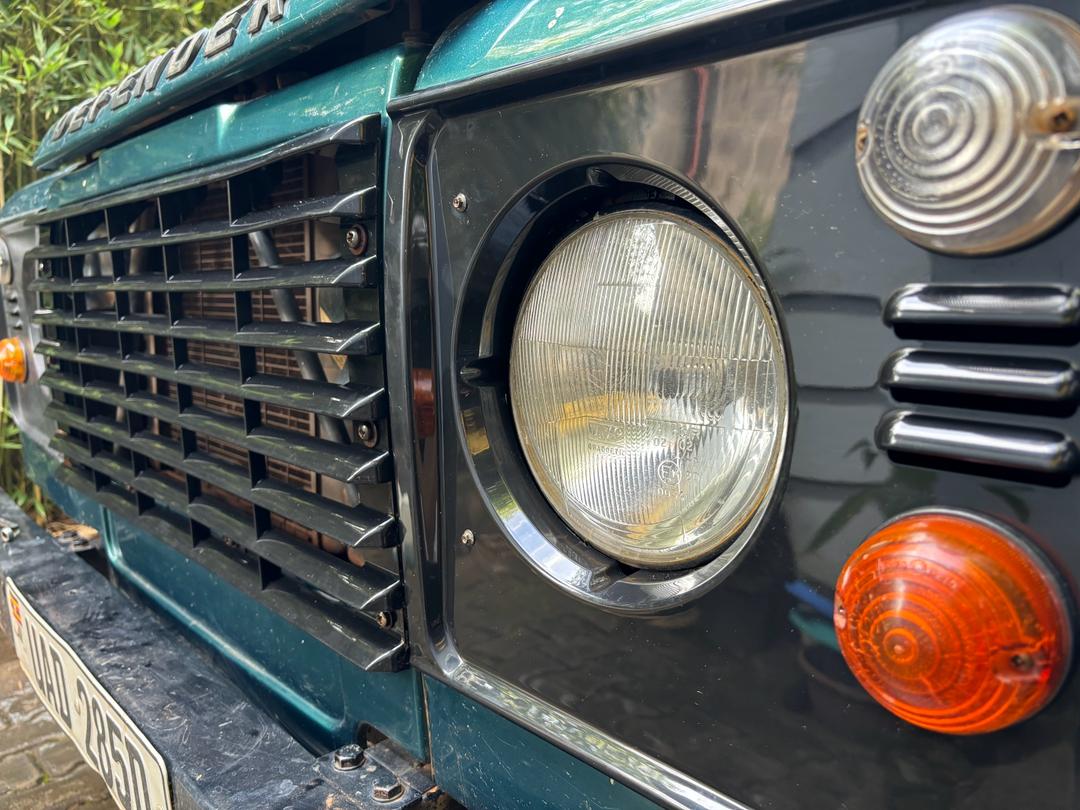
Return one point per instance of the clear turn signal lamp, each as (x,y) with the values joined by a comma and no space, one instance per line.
(968,141)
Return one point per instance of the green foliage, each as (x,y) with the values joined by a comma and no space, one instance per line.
(54,53)
(13,478)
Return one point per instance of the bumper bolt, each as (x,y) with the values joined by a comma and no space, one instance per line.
(387,793)
(348,757)
(467,537)
(460,202)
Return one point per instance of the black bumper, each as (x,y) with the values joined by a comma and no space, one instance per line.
(221,749)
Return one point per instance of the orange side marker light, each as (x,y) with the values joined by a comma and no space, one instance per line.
(12,360)
(953,624)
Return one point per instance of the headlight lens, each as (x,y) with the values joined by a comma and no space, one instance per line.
(648,387)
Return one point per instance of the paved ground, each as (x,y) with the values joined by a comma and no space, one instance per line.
(39,766)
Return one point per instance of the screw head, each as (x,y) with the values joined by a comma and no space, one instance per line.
(467,537)
(385,619)
(367,434)
(460,202)
(387,793)
(356,239)
(1022,661)
(349,757)
(862,139)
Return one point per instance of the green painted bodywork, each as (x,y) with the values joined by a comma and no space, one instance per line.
(321,697)
(228,131)
(303,25)
(487,762)
(42,466)
(507,33)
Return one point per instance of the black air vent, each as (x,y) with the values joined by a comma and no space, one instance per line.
(211,343)
(991,384)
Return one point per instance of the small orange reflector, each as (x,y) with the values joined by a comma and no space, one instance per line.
(952,624)
(12,360)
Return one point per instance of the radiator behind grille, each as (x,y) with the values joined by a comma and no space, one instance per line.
(178,391)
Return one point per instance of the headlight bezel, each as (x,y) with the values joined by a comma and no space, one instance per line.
(504,265)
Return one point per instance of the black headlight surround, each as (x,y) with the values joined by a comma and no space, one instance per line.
(506,261)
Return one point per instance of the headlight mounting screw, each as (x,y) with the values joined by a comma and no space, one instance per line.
(348,757)
(460,202)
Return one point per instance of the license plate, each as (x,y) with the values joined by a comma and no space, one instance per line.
(133,771)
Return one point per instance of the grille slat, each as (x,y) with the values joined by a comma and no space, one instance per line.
(221,517)
(346,337)
(325,273)
(208,345)
(329,399)
(323,619)
(357,204)
(357,527)
(349,463)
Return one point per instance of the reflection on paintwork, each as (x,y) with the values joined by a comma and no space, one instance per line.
(750,669)
(511,32)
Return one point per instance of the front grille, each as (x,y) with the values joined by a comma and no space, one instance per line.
(213,347)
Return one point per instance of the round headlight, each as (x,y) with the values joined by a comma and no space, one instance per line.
(648,387)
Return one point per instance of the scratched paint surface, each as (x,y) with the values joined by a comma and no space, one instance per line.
(505,33)
(489,763)
(228,131)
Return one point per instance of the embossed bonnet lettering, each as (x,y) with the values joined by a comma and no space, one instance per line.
(172,64)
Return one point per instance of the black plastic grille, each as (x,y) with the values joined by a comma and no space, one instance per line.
(211,345)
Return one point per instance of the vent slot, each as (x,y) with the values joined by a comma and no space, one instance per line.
(1026,393)
(206,371)
(996,313)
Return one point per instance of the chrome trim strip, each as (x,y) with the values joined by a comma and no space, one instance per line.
(646,775)
(1035,378)
(1022,448)
(1045,306)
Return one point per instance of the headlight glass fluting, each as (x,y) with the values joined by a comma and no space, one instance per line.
(648,387)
